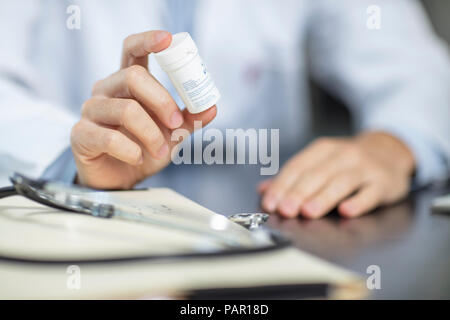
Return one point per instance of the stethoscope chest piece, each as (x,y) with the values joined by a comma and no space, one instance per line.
(249,220)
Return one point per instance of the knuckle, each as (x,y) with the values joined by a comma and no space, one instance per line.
(296,193)
(282,182)
(324,142)
(310,176)
(273,189)
(111,140)
(293,163)
(135,154)
(375,175)
(127,42)
(134,73)
(166,102)
(130,111)
(96,88)
(76,130)
(353,153)
(388,179)
(299,190)
(79,133)
(155,139)
(86,107)
(338,185)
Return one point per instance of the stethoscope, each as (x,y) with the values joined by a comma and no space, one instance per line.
(228,231)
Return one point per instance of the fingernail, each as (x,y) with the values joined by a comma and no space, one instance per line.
(287,208)
(163,150)
(176,119)
(270,203)
(311,208)
(347,209)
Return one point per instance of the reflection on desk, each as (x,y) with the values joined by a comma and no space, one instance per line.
(410,243)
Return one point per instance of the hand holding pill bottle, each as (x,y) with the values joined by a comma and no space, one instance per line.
(125,131)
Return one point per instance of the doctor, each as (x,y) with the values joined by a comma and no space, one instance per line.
(394,79)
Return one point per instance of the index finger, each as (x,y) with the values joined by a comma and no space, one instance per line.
(137,47)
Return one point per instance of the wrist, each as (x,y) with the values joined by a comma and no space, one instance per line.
(389,149)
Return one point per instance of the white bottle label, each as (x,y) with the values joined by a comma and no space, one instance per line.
(195,86)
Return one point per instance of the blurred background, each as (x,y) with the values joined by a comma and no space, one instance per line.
(326,106)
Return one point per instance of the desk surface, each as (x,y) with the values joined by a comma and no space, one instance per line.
(409,243)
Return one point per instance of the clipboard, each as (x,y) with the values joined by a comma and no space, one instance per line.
(30,229)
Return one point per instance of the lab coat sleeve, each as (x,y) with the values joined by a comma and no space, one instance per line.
(395,78)
(33,131)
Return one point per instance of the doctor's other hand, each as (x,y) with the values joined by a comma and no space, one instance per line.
(124,134)
(353,174)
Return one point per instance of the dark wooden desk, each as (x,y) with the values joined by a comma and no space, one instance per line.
(410,244)
(407,241)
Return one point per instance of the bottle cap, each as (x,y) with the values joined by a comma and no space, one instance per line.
(181,47)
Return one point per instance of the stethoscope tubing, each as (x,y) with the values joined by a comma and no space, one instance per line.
(7,192)
(280,242)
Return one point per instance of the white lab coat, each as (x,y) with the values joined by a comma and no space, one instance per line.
(395,78)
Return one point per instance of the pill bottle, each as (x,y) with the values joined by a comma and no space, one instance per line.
(188,73)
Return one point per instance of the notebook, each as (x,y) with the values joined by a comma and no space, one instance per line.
(31,231)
